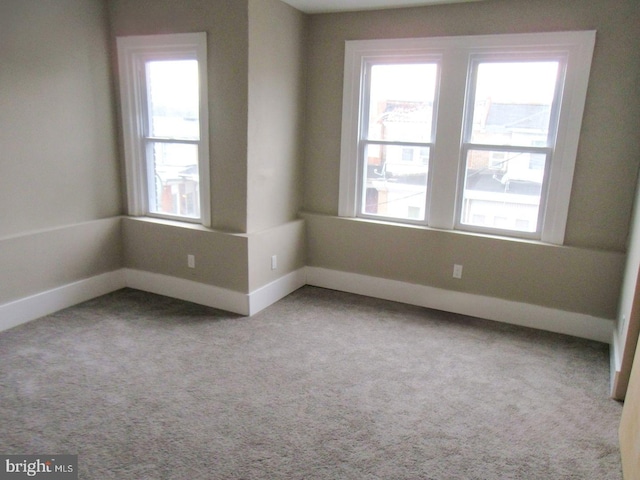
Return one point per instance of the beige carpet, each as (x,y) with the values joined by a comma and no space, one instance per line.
(322,385)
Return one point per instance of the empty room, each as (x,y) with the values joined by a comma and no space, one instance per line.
(251,239)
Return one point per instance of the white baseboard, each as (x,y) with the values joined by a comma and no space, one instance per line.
(35,306)
(517,313)
(44,303)
(188,290)
(216,297)
(269,294)
(534,316)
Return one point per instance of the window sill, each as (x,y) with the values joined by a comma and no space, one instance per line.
(425,228)
(178,224)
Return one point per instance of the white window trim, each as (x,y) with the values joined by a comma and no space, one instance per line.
(132,51)
(456,54)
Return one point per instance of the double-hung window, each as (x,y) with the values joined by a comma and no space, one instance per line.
(397,136)
(163,90)
(474,133)
(509,133)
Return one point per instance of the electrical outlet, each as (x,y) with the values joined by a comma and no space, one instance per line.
(191,261)
(457,271)
(274,262)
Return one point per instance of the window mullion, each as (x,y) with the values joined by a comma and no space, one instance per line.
(445,158)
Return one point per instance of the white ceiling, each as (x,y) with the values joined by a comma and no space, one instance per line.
(323,6)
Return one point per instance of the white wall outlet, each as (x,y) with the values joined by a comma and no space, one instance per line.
(191,261)
(457,271)
(274,262)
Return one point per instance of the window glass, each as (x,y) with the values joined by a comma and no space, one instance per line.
(173,99)
(513,102)
(395,187)
(401,102)
(174,186)
(172,168)
(397,144)
(505,195)
(513,105)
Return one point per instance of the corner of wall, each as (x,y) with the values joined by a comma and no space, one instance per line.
(55,268)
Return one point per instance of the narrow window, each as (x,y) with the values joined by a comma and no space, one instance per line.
(511,129)
(398,111)
(163,91)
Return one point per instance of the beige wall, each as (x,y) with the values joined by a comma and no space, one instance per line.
(59,174)
(609,153)
(220,253)
(274,157)
(161,247)
(56,116)
(286,242)
(584,275)
(570,279)
(226,25)
(35,262)
(256,85)
(60,171)
(276,100)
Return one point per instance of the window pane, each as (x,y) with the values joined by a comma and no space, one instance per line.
(401,102)
(513,103)
(173,179)
(503,189)
(173,99)
(395,183)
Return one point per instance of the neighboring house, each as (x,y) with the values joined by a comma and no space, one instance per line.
(396,173)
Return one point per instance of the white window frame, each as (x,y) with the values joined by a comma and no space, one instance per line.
(133,52)
(446,162)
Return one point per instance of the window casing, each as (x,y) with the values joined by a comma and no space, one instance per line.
(501,163)
(163,88)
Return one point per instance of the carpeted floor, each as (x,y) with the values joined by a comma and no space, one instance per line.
(321,385)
